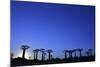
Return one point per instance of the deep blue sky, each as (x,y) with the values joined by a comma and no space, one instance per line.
(51,26)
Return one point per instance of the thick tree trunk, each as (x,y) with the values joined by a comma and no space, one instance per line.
(23,56)
(42,56)
(49,56)
(80,54)
(65,55)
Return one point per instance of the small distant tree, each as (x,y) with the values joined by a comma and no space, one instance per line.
(90,51)
(70,53)
(80,51)
(75,52)
(42,51)
(65,53)
(87,52)
(36,51)
(44,54)
(49,54)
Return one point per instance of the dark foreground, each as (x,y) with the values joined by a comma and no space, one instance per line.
(25,62)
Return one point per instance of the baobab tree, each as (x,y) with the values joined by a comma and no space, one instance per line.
(90,52)
(24,48)
(80,51)
(42,51)
(75,52)
(87,52)
(65,53)
(70,53)
(49,51)
(44,54)
(36,51)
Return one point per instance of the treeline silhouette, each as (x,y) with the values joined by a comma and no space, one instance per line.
(69,56)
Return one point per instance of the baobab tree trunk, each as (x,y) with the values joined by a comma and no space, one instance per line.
(23,55)
(65,55)
(36,55)
(49,56)
(80,54)
(75,54)
(42,57)
(70,54)
(87,53)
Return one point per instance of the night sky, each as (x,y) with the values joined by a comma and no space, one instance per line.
(51,26)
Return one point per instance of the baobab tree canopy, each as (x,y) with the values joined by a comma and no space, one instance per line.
(25,47)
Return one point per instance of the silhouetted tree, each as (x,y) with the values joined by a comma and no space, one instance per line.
(65,53)
(42,50)
(80,51)
(24,48)
(36,51)
(70,53)
(49,54)
(75,52)
(44,54)
(90,52)
(87,52)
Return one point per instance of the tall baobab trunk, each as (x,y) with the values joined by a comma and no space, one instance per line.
(49,54)
(34,54)
(90,51)
(42,50)
(87,53)
(70,53)
(65,55)
(80,54)
(37,50)
(80,51)
(44,54)
(75,52)
(23,55)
